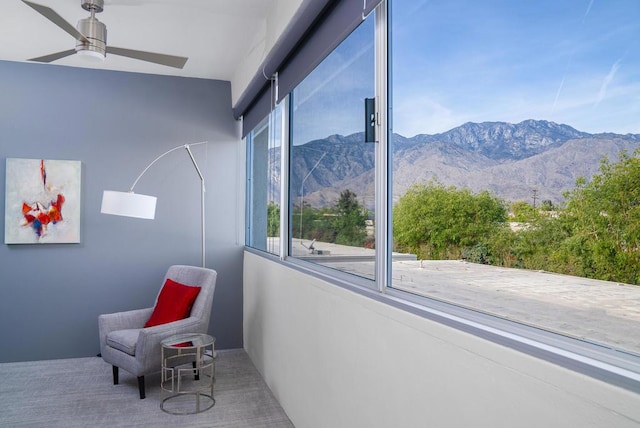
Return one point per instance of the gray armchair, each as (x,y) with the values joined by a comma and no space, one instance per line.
(126,344)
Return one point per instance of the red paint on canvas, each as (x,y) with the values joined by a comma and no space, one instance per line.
(39,214)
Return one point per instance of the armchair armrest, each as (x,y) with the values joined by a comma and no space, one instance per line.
(122,321)
(150,337)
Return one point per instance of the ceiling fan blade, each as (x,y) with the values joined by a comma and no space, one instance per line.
(53,56)
(53,16)
(169,60)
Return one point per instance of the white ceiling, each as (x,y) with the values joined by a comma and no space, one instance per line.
(216,35)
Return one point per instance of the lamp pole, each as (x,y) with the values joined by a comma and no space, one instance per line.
(187,147)
(202,190)
(129,204)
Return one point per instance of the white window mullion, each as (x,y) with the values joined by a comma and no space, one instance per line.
(383,233)
(284,179)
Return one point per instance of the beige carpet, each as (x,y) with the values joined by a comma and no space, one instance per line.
(79,392)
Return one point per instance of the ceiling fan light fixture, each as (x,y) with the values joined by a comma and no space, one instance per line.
(96,33)
(92,55)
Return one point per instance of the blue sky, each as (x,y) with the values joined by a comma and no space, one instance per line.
(569,61)
(575,62)
(331,99)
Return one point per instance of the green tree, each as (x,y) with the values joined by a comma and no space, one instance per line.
(534,247)
(547,205)
(522,212)
(603,216)
(323,227)
(350,220)
(435,222)
(304,222)
(273,219)
(596,235)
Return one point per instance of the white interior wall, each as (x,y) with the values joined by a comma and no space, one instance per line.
(265,38)
(334,358)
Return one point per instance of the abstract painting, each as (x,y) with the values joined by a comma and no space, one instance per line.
(42,201)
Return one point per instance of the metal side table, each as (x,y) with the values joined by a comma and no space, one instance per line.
(188,369)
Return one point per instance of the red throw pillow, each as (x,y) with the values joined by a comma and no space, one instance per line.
(174,303)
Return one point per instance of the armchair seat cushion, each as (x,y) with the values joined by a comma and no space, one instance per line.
(124,340)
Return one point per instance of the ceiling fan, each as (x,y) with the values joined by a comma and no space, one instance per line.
(91,37)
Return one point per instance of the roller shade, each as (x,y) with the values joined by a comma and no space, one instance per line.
(316,29)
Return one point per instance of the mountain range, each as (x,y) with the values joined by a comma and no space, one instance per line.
(514,161)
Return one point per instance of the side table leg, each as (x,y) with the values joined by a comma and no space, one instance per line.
(195,371)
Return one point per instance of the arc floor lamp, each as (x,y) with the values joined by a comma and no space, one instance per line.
(130,204)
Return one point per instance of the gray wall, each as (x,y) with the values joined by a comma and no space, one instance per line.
(116,123)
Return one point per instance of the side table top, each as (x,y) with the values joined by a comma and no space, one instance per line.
(188,340)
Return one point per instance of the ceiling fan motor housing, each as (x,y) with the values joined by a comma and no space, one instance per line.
(96,32)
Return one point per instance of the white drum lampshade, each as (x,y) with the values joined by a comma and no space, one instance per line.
(128,204)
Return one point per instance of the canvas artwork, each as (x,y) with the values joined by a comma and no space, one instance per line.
(42,201)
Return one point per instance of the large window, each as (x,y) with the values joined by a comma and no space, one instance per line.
(503,181)
(502,113)
(331,181)
(263,187)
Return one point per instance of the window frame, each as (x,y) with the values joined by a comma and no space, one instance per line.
(611,365)
(290,100)
(268,125)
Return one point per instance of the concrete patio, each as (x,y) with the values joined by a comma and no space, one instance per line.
(598,311)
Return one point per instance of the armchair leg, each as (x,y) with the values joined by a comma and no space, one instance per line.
(141,386)
(115,374)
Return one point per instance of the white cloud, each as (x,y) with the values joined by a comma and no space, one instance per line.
(607,81)
(588,9)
